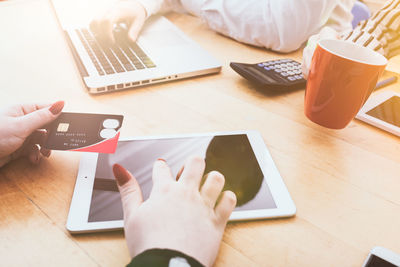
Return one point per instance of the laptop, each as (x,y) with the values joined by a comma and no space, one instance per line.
(162,52)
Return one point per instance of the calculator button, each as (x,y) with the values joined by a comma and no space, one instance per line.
(266,63)
(284,74)
(285,69)
(278,70)
(260,64)
(291,78)
(267,68)
(272,67)
(298,72)
(291,72)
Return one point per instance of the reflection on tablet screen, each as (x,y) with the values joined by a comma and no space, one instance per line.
(388,111)
(231,155)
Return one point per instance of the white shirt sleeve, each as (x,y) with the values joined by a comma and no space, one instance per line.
(280,25)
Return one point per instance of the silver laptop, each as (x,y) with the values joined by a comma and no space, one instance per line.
(162,52)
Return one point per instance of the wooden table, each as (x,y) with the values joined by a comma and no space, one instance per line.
(345,184)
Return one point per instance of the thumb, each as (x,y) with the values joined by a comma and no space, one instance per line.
(39,118)
(135,27)
(131,195)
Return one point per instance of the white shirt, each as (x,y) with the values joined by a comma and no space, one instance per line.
(280,25)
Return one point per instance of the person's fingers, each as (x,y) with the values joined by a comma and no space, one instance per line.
(131,194)
(308,52)
(225,206)
(161,173)
(34,154)
(136,26)
(212,187)
(39,118)
(106,28)
(94,25)
(31,107)
(193,171)
(178,175)
(45,152)
(38,137)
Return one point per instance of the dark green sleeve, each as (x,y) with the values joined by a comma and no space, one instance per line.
(162,258)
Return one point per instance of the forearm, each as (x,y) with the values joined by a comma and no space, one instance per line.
(381,31)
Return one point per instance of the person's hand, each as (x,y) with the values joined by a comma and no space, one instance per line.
(20,134)
(130,12)
(308,52)
(178,214)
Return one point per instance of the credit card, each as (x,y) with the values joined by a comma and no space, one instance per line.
(84,132)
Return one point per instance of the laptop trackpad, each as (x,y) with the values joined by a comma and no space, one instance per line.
(162,38)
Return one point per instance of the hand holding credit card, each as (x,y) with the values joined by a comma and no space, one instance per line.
(84,132)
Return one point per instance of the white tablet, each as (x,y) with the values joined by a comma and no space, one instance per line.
(382,257)
(383,111)
(241,156)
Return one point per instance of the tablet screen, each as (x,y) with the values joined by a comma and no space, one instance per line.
(376,261)
(232,155)
(388,111)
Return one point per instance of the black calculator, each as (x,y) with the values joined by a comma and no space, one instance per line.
(275,74)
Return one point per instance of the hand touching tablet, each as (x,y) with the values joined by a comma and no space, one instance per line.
(178,214)
(130,12)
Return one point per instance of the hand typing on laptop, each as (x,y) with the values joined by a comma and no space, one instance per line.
(130,12)
(277,25)
(110,57)
(20,134)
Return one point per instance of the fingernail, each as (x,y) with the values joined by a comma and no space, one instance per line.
(46,153)
(121,175)
(57,107)
(162,160)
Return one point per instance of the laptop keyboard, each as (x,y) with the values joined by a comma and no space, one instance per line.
(114,58)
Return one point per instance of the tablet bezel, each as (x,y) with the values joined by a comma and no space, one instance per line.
(374,101)
(79,209)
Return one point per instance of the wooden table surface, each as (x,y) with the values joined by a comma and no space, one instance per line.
(345,184)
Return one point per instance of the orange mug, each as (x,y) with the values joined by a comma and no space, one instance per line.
(341,78)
